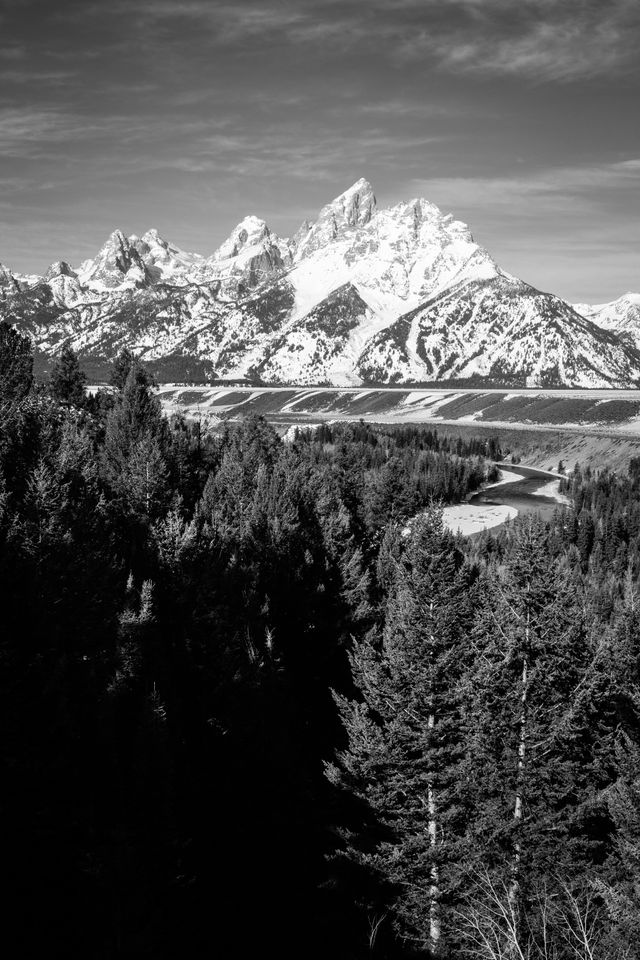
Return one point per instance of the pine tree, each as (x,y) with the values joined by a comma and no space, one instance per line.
(67,379)
(623,895)
(617,663)
(121,368)
(41,505)
(528,738)
(404,735)
(16,366)
(133,457)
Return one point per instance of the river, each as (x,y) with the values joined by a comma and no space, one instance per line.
(521,490)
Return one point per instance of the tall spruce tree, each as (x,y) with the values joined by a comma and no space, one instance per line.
(623,894)
(133,453)
(527,718)
(620,704)
(121,367)
(67,379)
(404,736)
(16,366)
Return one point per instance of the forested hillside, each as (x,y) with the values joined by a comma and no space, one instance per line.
(256,700)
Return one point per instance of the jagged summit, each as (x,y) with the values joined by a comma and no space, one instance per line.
(9,284)
(5,273)
(152,236)
(357,204)
(250,232)
(361,294)
(60,268)
(164,262)
(352,209)
(250,257)
(117,263)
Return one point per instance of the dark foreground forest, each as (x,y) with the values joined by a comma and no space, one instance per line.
(255,700)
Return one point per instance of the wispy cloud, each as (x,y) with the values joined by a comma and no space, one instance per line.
(544,40)
(318,155)
(539,40)
(554,188)
(39,132)
(22,130)
(410,109)
(29,75)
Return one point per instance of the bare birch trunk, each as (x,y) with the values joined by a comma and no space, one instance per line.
(522,748)
(432,829)
(148,488)
(434,889)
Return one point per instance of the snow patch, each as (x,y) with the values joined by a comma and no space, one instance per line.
(466,518)
(552,491)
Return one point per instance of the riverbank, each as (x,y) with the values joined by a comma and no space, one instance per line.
(520,490)
(467,519)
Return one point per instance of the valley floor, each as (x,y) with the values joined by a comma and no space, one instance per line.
(539,427)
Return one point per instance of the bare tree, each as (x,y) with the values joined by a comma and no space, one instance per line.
(560,924)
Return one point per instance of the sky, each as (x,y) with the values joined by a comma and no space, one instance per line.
(520,117)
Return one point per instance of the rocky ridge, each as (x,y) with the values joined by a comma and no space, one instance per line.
(621,316)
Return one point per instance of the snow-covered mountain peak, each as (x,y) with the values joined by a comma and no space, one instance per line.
(5,272)
(628,299)
(63,282)
(250,232)
(250,256)
(419,209)
(622,316)
(152,237)
(163,260)
(8,281)
(353,209)
(60,268)
(357,204)
(397,257)
(427,220)
(608,312)
(118,263)
(117,246)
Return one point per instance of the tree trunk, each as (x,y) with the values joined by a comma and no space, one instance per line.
(514,887)
(434,889)
(432,829)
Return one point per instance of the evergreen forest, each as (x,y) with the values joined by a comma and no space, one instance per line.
(256,700)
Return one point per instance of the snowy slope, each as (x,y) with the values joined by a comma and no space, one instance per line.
(500,328)
(361,294)
(621,315)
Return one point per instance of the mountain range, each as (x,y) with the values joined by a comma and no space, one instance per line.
(360,295)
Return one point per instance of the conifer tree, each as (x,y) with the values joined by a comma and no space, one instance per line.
(623,895)
(404,743)
(67,379)
(16,366)
(133,456)
(616,671)
(121,367)
(528,744)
